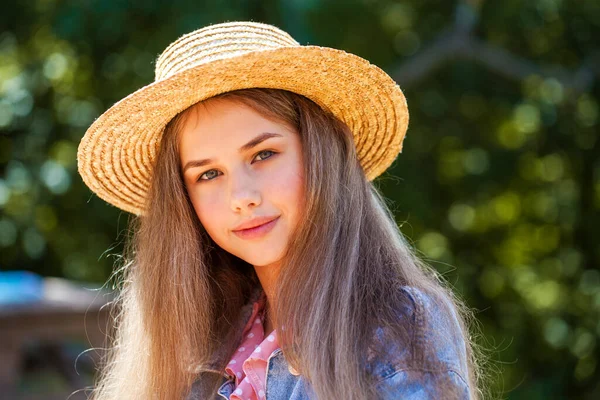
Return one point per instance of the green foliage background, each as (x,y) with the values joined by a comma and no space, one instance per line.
(498,185)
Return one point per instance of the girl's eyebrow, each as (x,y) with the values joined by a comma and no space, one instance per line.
(252,143)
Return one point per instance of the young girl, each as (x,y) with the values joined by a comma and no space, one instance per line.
(263,262)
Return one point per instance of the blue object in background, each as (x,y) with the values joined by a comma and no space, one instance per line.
(18,287)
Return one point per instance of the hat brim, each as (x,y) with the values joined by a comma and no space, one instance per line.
(116,155)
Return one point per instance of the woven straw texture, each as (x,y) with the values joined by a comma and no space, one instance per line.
(116,154)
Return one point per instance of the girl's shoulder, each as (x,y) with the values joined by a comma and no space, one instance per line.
(433,346)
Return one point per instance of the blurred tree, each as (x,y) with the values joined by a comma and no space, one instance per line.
(504,135)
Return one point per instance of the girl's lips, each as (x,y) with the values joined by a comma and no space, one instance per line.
(257,231)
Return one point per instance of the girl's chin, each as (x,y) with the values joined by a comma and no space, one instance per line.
(261,262)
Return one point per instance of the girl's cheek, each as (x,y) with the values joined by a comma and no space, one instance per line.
(209,204)
(201,204)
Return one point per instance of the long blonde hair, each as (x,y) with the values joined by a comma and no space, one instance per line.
(181,294)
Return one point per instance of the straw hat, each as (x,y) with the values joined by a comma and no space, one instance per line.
(116,154)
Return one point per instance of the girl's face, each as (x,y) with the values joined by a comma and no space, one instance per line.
(238,166)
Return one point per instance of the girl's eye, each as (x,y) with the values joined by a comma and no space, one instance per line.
(266,151)
(210,173)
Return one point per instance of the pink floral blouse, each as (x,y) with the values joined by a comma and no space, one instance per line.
(249,362)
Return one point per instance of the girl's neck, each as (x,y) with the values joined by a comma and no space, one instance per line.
(268,326)
(267,320)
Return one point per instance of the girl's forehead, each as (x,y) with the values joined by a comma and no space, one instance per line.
(227,129)
(221,111)
(225,119)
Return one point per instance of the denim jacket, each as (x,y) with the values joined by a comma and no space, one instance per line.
(410,372)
